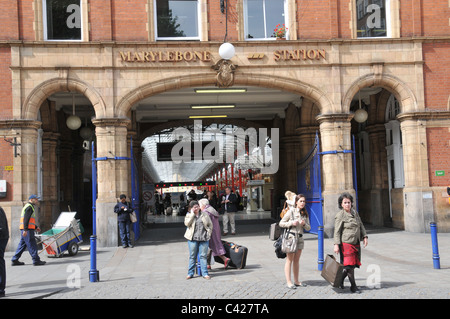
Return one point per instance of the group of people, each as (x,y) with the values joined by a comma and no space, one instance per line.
(349,231)
(203,233)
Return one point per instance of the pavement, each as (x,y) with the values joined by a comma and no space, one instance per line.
(395,265)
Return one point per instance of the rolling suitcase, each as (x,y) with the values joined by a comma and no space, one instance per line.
(236,253)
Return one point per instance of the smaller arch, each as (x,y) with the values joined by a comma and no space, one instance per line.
(42,91)
(401,91)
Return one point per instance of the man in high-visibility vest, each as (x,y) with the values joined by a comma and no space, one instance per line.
(27,227)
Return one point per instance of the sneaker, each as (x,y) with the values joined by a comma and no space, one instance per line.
(39,263)
(17,263)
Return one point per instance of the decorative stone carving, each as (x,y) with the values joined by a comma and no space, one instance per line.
(225,73)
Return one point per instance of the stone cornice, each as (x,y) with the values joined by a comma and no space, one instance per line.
(20,124)
(424,115)
(334,117)
(102,122)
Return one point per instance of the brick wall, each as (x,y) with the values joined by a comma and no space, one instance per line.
(129,20)
(438,142)
(217,21)
(5,83)
(437,75)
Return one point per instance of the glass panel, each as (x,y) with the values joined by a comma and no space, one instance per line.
(274,15)
(63,19)
(255,19)
(177,18)
(262,17)
(371,15)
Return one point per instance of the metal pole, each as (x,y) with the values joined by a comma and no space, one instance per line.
(434,243)
(355,178)
(320,259)
(94,275)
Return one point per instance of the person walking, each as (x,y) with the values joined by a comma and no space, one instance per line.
(215,242)
(297,220)
(123,210)
(4,237)
(229,204)
(28,227)
(349,231)
(198,232)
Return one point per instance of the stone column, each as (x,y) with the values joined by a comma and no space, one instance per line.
(336,168)
(417,195)
(25,171)
(112,176)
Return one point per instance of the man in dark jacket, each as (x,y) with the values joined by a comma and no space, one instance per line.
(229,205)
(123,210)
(27,227)
(4,236)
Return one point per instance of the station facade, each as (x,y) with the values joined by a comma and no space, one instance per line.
(394,55)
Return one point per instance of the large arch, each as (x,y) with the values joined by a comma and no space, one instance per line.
(251,79)
(401,91)
(42,91)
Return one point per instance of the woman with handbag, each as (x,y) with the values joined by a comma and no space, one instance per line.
(348,232)
(198,232)
(295,221)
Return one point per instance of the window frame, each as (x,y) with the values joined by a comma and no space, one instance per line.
(44,22)
(245,18)
(199,25)
(388,7)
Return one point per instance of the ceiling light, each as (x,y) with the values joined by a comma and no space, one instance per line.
(206,116)
(222,106)
(220,90)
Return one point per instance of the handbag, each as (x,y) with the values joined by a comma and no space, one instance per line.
(277,245)
(133,217)
(289,241)
(274,231)
(332,271)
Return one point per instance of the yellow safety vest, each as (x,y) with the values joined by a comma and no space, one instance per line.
(32,221)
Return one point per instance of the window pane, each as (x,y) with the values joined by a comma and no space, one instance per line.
(263,16)
(63,19)
(371,18)
(255,19)
(177,18)
(274,15)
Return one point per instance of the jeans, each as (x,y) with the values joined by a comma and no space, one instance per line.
(29,241)
(198,247)
(3,243)
(124,229)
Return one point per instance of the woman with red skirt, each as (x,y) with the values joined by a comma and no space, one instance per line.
(349,231)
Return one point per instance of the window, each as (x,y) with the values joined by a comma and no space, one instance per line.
(262,16)
(177,20)
(373,18)
(62,20)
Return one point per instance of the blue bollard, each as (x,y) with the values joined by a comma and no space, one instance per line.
(434,243)
(199,268)
(94,275)
(320,259)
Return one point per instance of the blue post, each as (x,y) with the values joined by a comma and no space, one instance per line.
(320,259)
(94,275)
(434,243)
(199,268)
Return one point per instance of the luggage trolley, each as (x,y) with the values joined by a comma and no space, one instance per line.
(65,235)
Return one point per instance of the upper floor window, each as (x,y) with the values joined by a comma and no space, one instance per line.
(373,18)
(177,20)
(262,16)
(62,20)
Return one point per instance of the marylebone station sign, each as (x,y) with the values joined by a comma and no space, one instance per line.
(279,55)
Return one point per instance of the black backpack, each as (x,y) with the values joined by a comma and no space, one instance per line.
(277,245)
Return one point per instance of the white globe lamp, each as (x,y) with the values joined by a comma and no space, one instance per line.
(227,51)
(361,116)
(73,122)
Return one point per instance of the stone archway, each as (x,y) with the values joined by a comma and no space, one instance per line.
(260,80)
(34,100)
(406,97)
